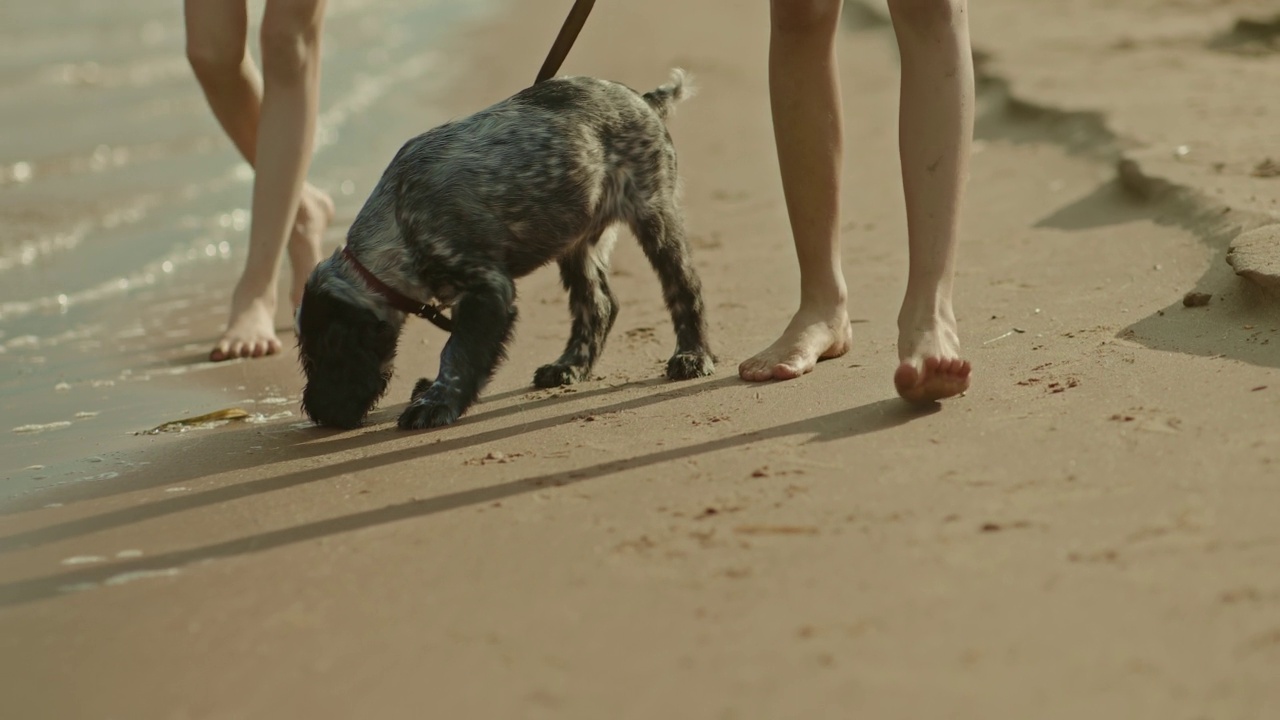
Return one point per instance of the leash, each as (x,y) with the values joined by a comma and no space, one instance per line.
(564,41)
(396,299)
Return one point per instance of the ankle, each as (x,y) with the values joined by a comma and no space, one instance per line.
(825,295)
(251,291)
(926,312)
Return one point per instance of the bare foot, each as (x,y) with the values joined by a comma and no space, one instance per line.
(811,336)
(315,212)
(931,368)
(251,331)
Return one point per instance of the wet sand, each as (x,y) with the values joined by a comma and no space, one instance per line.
(1086,533)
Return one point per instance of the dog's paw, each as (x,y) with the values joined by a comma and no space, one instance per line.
(420,388)
(690,365)
(555,375)
(430,408)
(424,414)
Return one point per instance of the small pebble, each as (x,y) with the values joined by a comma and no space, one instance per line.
(1196,299)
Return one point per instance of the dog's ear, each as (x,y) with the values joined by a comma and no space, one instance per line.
(346,353)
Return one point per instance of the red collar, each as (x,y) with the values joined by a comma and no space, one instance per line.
(396,299)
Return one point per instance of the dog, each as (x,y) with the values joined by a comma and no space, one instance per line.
(468,207)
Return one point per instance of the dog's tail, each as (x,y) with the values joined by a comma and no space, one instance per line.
(663,100)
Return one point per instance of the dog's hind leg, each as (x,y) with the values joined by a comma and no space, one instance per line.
(660,231)
(483,318)
(593,307)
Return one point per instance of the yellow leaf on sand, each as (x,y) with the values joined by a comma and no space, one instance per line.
(226,414)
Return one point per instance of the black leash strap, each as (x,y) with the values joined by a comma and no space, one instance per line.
(564,41)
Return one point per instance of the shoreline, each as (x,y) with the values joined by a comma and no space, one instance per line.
(131,349)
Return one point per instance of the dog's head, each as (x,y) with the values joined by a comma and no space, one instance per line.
(346,351)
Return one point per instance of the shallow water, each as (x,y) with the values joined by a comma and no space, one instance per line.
(124,210)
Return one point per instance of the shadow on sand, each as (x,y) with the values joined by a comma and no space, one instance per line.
(869,418)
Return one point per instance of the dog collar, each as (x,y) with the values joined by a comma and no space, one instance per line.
(396,299)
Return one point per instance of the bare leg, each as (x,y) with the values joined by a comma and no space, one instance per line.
(216,46)
(804,93)
(935,133)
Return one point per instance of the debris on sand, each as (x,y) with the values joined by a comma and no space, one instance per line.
(1268,168)
(1196,299)
(1249,36)
(1057,387)
(495,457)
(41,428)
(208,420)
(1013,331)
(83,560)
(990,527)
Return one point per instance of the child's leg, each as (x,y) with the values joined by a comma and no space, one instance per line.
(935,132)
(216,46)
(804,92)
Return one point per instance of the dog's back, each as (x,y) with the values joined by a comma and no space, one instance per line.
(530,174)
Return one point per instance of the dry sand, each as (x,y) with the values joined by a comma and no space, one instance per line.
(1090,532)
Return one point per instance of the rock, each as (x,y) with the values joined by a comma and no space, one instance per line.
(1256,256)
(1196,299)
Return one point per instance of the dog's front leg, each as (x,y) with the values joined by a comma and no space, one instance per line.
(482,319)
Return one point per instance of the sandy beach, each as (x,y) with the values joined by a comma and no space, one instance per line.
(1090,532)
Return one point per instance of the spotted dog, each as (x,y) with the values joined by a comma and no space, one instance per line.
(464,210)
